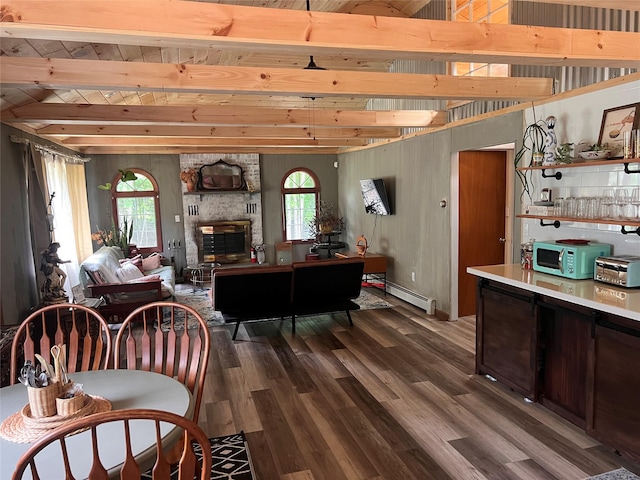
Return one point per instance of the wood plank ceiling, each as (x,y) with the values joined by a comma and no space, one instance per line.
(172,76)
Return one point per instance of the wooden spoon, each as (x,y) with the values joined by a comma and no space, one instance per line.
(55,353)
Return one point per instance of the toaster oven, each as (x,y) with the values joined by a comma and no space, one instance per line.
(567,259)
(621,270)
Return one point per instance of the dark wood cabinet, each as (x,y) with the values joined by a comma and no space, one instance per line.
(581,363)
(613,409)
(565,338)
(506,336)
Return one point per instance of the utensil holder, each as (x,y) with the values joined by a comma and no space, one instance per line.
(68,406)
(42,401)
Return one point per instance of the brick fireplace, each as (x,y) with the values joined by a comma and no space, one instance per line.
(210,208)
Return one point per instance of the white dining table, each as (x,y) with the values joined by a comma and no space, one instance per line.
(125,389)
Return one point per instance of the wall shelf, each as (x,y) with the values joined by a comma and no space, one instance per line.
(616,161)
(200,193)
(556,222)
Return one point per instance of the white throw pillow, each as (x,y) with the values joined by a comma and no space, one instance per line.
(128,271)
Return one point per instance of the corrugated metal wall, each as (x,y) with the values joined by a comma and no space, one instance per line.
(522,13)
(436,10)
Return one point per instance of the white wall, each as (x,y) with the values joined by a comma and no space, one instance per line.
(579,119)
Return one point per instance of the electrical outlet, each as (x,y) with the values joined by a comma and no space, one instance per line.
(177,218)
(413,276)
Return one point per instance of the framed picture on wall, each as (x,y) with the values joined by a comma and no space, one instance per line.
(615,121)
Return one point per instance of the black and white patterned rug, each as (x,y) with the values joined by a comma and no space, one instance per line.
(231,459)
(620,474)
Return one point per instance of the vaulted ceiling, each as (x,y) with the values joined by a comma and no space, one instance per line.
(171,76)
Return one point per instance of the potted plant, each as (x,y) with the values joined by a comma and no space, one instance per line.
(326,221)
(564,153)
(533,142)
(116,236)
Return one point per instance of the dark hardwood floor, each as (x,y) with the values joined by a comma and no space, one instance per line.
(393,397)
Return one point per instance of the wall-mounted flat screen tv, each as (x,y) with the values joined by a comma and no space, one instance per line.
(375,197)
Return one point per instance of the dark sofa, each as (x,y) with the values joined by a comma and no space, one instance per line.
(276,292)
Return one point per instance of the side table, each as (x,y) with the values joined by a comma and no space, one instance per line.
(374,265)
(200,275)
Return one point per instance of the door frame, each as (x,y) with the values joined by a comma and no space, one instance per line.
(454,212)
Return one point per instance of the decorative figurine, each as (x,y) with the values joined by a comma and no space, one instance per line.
(550,142)
(361,245)
(52,288)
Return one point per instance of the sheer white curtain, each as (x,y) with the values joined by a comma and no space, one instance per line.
(70,213)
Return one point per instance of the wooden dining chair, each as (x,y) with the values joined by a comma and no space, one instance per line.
(194,463)
(82,329)
(154,338)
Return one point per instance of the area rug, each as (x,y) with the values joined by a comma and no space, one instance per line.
(620,474)
(230,459)
(200,301)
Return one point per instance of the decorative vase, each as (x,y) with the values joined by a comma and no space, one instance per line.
(260,256)
(191,186)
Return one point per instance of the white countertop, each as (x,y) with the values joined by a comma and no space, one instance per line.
(624,302)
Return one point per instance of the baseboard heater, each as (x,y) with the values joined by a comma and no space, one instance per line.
(420,301)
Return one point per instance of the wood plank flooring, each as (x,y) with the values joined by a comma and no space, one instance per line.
(393,397)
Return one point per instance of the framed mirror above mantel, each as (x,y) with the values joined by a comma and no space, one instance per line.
(221,177)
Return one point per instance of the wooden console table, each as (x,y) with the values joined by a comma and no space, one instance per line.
(374,264)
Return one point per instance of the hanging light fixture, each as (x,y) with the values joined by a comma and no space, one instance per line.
(312,106)
(312,65)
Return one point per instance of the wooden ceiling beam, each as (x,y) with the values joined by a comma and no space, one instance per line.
(213,142)
(59,73)
(205,25)
(124,131)
(171,150)
(61,113)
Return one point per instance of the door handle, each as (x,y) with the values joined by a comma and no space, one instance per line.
(502,240)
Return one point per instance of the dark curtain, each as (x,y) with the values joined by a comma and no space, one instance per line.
(38,199)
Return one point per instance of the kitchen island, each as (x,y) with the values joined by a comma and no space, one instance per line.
(572,345)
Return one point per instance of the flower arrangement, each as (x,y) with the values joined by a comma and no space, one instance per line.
(326,219)
(115,237)
(190,177)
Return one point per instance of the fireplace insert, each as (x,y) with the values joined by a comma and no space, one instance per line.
(224,241)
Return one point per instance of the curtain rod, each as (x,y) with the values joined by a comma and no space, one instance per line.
(69,158)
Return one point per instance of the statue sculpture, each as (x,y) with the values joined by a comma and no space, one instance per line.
(52,288)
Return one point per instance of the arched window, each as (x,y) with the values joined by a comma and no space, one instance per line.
(137,201)
(300,197)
